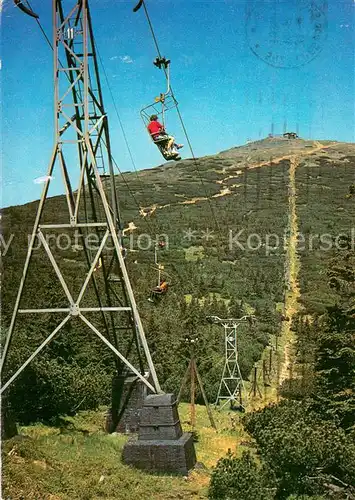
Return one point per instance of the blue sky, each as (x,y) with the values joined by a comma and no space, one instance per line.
(227,93)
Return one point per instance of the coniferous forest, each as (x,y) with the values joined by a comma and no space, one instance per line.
(230,224)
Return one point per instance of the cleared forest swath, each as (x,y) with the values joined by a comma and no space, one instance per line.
(285,343)
(291,306)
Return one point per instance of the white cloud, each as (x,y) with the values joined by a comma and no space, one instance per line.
(113,58)
(126,59)
(43,179)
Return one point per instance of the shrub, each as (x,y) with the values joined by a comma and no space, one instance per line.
(239,478)
(302,450)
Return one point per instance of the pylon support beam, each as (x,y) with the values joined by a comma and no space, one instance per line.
(231,386)
(34,354)
(80,120)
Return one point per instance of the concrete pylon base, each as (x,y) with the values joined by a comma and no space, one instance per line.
(161,446)
(172,456)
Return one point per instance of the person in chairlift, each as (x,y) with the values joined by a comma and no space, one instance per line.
(157,131)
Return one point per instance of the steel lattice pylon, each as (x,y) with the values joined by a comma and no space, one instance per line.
(231,386)
(82,150)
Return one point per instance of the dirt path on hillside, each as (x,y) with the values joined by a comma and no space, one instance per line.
(291,272)
(292,305)
(228,190)
(317,147)
(286,341)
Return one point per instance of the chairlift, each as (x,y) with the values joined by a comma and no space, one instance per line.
(26,9)
(161,105)
(158,291)
(162,286)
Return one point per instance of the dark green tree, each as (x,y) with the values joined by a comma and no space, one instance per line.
(335,369)
(240,478)
(304,452)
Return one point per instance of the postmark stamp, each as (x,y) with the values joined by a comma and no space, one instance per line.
(286,33)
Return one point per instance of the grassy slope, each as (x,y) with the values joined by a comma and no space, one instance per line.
(84,463)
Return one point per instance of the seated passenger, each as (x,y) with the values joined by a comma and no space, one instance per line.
(162,288)
(158,132)
(158,290)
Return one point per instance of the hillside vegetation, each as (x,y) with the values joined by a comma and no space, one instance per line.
(227,220)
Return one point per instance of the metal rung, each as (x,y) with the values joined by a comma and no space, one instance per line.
(76,68)
(69,226)
(113,278)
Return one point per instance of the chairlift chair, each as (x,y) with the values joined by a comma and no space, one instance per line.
(161,105)
(158,291)
(162,285)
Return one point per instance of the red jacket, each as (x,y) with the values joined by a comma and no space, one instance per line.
(155,128)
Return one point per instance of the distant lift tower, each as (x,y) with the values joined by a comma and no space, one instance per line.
(231,387)
(82,158)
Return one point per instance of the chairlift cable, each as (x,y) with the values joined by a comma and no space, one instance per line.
(150,226)
(27,10)
(39,24)
(120,124)
(150,229)
(127,145)
(139,5)
(113,159)
(132,194)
